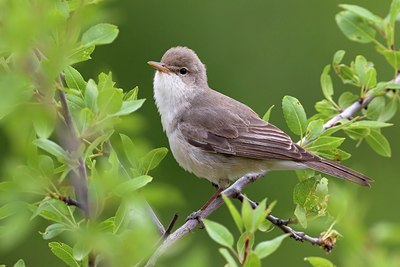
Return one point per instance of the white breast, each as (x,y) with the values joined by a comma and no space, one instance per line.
(171,96)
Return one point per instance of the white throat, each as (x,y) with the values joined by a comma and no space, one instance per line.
(172,97)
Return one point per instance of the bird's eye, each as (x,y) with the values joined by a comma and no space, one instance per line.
(183,71)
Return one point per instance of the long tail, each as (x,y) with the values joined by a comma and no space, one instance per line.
(340,171)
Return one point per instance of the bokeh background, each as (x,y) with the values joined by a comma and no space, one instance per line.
(256,52)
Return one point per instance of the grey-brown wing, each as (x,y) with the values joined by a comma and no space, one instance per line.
(217,130)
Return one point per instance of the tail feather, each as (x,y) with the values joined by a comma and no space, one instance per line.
(340,171)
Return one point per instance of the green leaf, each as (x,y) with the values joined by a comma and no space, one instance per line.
(20,263)
(338,57)
(54,230)
(44,120)
(346,99)
(247,215)
(129,106)
(354,27)
(130,150)
(389,111)
(219,233)
(268,113)
(365,14)
(369,124)
(132,185)
(334,154)
(109,101)
(305,174)
(393,57)
(266,248)
(51,147)
(252,260)
(153,158)
(63,252)
(80,53)
(294,114)
(325,143)
(314,129)
(301,216)
(375,108)
(74,79)
(259,215)
(244,238)
(7,210)
(99,34)
(132,94)
(234,213)
(81,249)
(91,94)
(379,143)
(303,191)
(326,83)
(394,11)
(98,141)
(228,257)
(319,262)
(365,71)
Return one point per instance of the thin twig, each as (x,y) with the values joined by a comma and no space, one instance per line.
(66,199)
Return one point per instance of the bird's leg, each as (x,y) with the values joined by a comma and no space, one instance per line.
(220,187)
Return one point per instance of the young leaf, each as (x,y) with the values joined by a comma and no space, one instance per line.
(259,215)
(379,143)
(153,158)
(228,257)
(247,215)
(51,147)
(325,143)
(268,113)
(109,101)
(266,248)
(219,233)
(394,11)
(74,79)
(314,129)
(234,213)
(80,53)
(81,249)
(54,230)
(326,83)
(294,114)
(132,185)
(91,94)
(99,34)
(354,27)
(301,216)
(252,260)
(369,124)
(63,252)
(375,108)
(393,57)
(130,150)
(129,106)
(20,263)
(338,57)
(389,110)
(365,14)
(319,262)
(244,238)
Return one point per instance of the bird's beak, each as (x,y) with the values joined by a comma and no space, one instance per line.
(159,66)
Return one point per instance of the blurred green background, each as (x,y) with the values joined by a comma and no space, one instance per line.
(256,52)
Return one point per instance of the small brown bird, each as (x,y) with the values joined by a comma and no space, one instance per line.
(219,138)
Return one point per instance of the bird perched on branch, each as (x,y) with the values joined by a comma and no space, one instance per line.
(219,138)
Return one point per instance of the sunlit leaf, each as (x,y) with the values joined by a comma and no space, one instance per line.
(354,27)
(266,248)
(326,83)
(379,143)
(99,34)
(314,129)
(228,257)
(365,14)
(244,238)
(20,263)
(54,230)
(252,260)
(338,57)
(63,252)
(247,215)
(325,143)
(234,213)
(268,114)
(153,158)
(319,262)
(218,233)
(294,114)
(81,249)
(132,185)
(346,99)
(51,147)
(129,106)
(74,79)
(301,216)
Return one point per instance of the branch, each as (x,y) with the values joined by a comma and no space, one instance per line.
(357,106)
(233,190)
(71,143)
(325,243)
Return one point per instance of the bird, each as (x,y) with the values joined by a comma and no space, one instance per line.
(219,138)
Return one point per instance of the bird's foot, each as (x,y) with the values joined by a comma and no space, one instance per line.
(196,216)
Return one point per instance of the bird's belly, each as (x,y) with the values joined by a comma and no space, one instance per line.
(214,167)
